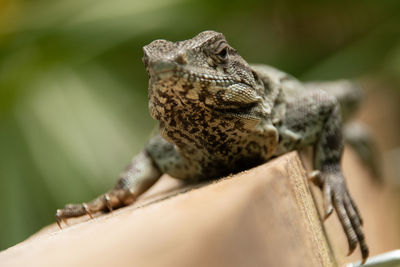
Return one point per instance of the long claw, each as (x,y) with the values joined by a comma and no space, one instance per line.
(87,210)
(108,202)
(315,178)
(58,218)
(364,253)
(327,201)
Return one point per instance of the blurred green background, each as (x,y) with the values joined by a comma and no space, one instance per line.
(73,90)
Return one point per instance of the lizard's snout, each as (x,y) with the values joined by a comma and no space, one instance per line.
(163,68)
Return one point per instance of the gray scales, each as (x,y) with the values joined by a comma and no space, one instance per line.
(220,115)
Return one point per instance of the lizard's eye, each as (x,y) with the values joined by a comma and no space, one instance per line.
(223,53)
(218,53)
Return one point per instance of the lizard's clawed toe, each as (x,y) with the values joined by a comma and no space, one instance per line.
(336,196)
(72,210)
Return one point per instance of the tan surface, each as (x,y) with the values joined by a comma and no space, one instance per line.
(262,217)
(379,207)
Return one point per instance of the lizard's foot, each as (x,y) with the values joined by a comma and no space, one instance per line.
(336,195)
(106,202)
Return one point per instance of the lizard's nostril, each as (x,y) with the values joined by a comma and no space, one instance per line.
(181,58)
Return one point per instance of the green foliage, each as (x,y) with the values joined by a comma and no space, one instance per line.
(73,95)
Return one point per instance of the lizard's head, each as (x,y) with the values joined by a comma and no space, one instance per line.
(205,73)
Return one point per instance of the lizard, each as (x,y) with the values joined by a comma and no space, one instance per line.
(219,115)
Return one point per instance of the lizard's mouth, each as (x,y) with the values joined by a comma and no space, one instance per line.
(162,69)
(247,112)
(167,70)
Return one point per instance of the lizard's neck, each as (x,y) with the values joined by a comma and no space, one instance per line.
(220,145)
(199,130)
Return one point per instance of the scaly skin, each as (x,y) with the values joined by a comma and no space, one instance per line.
(219,115)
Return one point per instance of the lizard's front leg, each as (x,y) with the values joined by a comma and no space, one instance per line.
(139,176)
(314,119)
